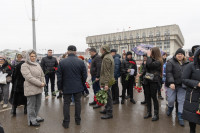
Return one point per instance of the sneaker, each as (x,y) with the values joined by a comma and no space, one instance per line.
(1,103)
(72,103)
(5,106)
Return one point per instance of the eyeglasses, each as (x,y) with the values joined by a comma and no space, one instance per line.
(33,56)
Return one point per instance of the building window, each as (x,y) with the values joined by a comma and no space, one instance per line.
(131,37)
(167,32)
(166,44)
(151,34)
(158,34)
(119,37)
(137,36)
(159,44)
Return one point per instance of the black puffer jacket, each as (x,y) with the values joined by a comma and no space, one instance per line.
(154,67)
(174,72)
(125,66)
(95,68)
(191,78)
(48,63)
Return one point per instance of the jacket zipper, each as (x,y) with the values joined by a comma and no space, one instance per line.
(191,96)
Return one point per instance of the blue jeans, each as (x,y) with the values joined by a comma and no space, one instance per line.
(179,92)
(95,86)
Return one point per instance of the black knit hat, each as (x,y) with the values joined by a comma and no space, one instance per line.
(92,50)
(180,50)
(128,53)
(113,50)
(71,48)
(194,48)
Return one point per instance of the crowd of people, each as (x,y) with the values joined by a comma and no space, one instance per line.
(177,74)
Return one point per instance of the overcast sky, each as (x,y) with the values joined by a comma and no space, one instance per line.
(64,22)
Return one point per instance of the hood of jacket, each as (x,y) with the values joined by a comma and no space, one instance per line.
(117,55)
(196,58)
(28,60)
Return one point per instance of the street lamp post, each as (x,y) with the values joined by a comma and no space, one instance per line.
(33,25)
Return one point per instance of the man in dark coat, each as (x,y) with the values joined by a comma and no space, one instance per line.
(174,70)
(49,65)
(71,75)
(127,66)
(115,87)
(191,78)
(95,70)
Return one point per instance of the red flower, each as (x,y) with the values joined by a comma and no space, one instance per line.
(132,62)
(87,85)
(198,112)
(55,68)
(9,67)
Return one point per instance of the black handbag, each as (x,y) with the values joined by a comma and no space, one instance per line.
(149,76)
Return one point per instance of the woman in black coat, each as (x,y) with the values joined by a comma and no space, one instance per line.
(17,97)
(153,67)
(191,78)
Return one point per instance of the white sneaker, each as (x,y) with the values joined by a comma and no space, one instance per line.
(72,104)
(5,106)
(1,103)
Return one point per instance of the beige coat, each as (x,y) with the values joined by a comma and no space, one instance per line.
(34,77)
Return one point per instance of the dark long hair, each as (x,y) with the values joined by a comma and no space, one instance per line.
(156,54)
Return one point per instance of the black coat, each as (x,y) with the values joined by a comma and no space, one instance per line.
(143,73)
(154,67)
(95,68)
(71,75)
(17,94)
(117,66)
(6,68)
(174,72)
(48,64)
(125,65)
(191,78)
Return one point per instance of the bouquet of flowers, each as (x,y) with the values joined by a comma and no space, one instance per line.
(130,66)
(102,96)
(139,87)
(198,111)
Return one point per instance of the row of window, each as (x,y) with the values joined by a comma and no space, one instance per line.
(166,34)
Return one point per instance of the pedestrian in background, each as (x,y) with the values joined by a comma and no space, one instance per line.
(5,69)
(49,65)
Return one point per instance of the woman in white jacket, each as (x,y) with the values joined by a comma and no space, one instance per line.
(33,87)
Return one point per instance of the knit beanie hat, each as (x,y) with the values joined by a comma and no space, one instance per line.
(180,50)
(128,53)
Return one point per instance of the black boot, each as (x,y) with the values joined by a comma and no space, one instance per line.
(96,106)
(148,115)
(156,116)
(132,101)
(159,95)
(108,115)
(103,111)
(92,103)
(122,102)
(60,95)
(144,102)
(25,109)
(13,111)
